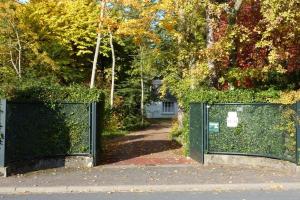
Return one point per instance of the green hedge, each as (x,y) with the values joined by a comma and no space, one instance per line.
(47,119)
(211,96)
(263,129)
(229,96)
(38,129)
(48,92)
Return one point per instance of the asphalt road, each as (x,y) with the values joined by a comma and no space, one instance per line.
(253,195)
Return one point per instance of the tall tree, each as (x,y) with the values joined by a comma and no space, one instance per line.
(58,36)
(112,91)
(139,26)
(11,45)
(99,37)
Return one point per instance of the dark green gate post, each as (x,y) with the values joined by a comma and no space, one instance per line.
(298,133)
(2,136)
(96,128)
(197,131)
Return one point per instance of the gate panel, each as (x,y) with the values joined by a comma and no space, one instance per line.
(252,129)
(36,130)
(197,130)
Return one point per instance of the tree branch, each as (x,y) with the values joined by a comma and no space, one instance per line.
(237,5)
(12,62)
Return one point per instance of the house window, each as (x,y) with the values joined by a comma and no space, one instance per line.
(168,107)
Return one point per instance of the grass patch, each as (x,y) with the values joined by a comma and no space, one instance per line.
(114,134)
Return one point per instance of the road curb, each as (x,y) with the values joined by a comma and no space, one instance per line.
(152,188)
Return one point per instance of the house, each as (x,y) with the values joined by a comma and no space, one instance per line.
(166,107)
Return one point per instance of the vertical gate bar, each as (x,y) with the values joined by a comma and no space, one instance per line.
(96,128)
(92,122)
(298,133)
(196,136)
(2,131)
(90,130)
(94,141)
(206,110)
(203,131)
(99,127)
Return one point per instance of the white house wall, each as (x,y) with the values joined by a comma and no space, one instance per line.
(155,110)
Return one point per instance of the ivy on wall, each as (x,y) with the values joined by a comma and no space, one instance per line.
(37,130)
(240,96)
(48,120)
(266,130)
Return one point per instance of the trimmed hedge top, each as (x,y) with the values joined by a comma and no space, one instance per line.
(44,92)
(240,96)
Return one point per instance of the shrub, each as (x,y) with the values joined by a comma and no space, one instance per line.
(288,97)
(133,122)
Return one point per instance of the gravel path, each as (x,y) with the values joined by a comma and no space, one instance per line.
(151,146)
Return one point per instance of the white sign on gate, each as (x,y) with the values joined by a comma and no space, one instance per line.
(232,120)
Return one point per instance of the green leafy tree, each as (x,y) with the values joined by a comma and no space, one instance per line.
(60,36)
(11,39)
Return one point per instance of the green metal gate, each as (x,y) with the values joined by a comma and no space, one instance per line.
(265,130)
(35,130)
(197,131)
(261,129)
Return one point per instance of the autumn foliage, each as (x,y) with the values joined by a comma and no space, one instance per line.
(264,43)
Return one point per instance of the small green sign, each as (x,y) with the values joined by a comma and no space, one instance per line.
(214,127)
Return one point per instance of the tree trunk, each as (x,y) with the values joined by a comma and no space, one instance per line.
(99,37)
(142,84)
(232,22)
(13,63)
(142,97)
(17,64)
(113,70)
(210,42)
(180,117)
(181,15)
(19,56)
(237,5)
